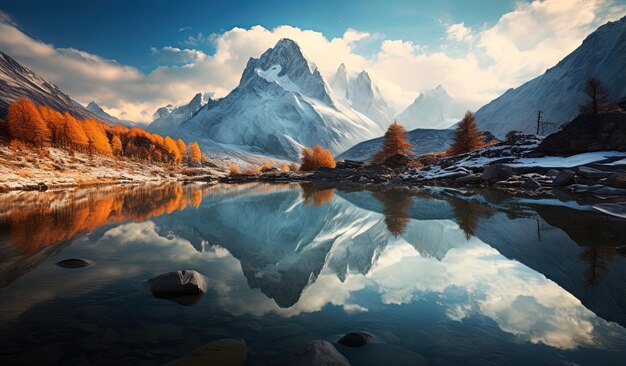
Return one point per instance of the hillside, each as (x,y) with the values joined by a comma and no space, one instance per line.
(560,91)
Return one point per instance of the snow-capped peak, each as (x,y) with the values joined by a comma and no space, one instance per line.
(433,108)
(358,91)
(167,118)
(287,67)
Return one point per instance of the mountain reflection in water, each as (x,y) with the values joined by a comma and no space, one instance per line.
(444,273)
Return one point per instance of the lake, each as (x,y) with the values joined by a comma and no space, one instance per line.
(438,276)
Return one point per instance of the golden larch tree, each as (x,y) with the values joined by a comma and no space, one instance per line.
(322,158)
(116,145)
(195,155)
(394,143)
(55,122)
(25,123)
(172,149)
(98,140)
(182,148)
(307,162)
(74,135)
(467,137)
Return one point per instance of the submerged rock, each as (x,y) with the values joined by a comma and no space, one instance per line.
(592,173)
(613,209)
(223,352)
(73,263)
(356,339)
(184,287)
(318,353)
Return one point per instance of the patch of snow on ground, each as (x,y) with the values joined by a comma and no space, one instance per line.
(566,162)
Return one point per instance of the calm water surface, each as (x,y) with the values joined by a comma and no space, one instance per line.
(445,277)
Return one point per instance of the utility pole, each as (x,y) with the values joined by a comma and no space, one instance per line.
(539,123)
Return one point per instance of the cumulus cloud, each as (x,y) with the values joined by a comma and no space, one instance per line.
(516,48)
(459,32)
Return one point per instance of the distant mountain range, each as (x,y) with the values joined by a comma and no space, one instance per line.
(283,103)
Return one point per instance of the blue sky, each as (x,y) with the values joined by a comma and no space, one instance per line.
(126,30)
(132,57)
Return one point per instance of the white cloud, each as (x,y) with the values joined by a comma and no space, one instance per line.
(519,46)
(459,32)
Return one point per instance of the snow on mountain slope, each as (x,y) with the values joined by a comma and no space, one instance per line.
(18,81)
(95,108)
(558,93)
(423,141)
(168,118)
(360,93)
(431,109)
(281,104)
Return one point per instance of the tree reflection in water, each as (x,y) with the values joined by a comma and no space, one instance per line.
(312,195)
(34,220)
(396,203)
(468,214)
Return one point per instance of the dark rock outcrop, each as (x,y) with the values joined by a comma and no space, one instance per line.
(586,133)
(564,178)
(73,263)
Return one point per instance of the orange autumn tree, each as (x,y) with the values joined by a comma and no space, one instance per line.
(394,143)
(306,163)
(322,158)
(195,155)
(98,140)
(56,124)
(73,134)
(316,158)
(116,145)
(25,123)
(182,148)
(466,137)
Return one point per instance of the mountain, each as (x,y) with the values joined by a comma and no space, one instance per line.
(431,109)
(18,81)
(96,109)
(360,93)
(168,118)
(423,141)
(558,93)
(281,104)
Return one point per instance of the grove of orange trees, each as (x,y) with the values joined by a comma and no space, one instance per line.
(41,126)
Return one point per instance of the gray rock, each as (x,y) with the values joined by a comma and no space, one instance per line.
(226,352)
(531,184)
(318,353)
(356,339)
(184,287)
(592,173)
(496,172)
(616,180)
(552,173)
(564,178)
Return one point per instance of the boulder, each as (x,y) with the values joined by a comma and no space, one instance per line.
(184,287)
(318,353)
(586,133)
(496,172)
(73,263)
(564,178)
(356,339)
(552,173)
(592,173)
(616,180)
(531,184)
(226,352)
